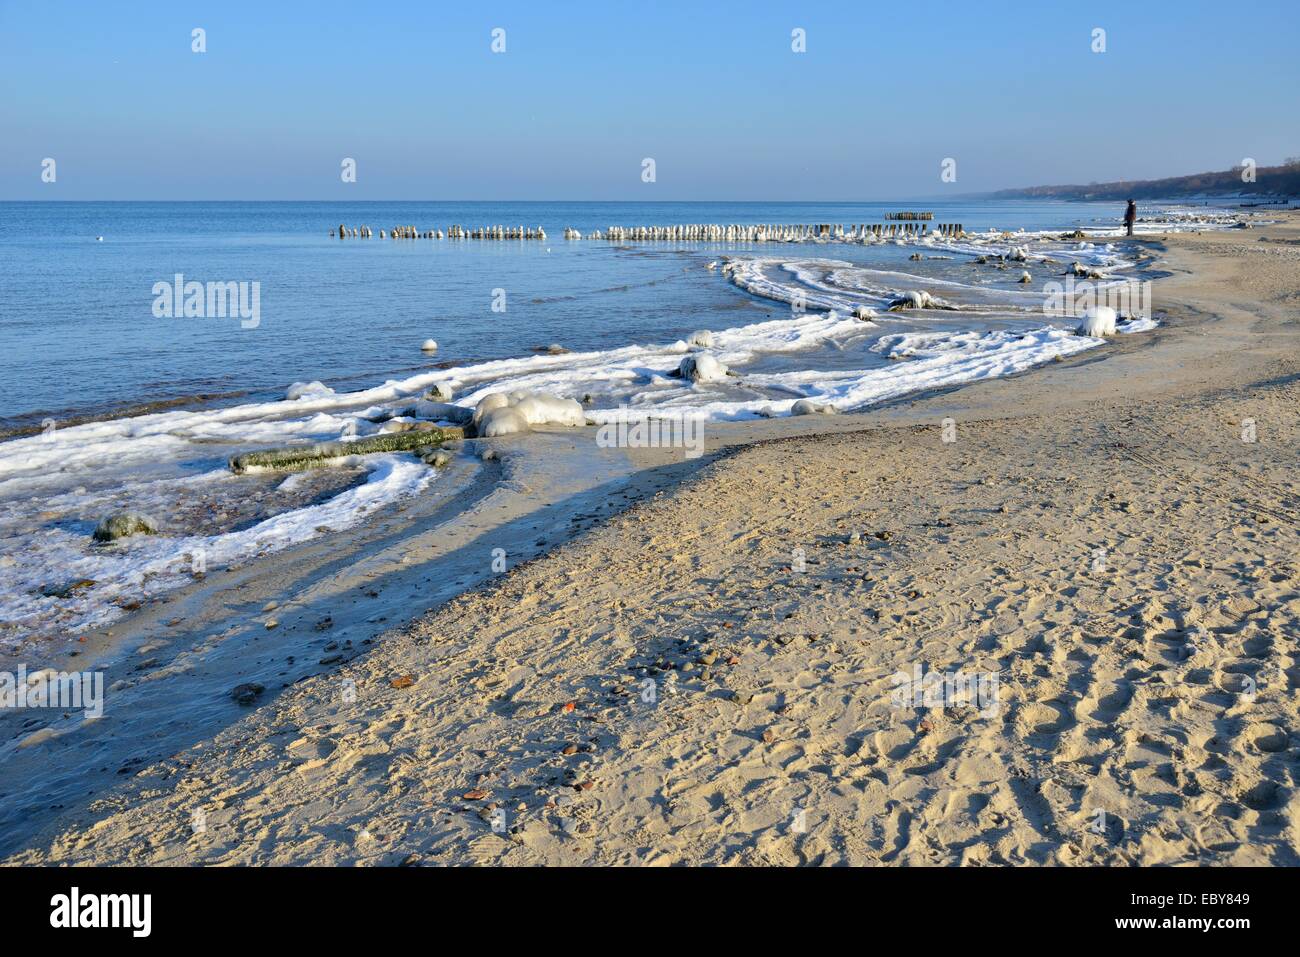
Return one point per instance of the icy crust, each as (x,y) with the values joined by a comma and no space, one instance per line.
(136,569)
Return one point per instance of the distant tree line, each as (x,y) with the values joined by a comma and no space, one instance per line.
(1283,180)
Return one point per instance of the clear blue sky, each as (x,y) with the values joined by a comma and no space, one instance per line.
(710,89)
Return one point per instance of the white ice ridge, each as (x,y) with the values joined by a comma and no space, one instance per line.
(933,360)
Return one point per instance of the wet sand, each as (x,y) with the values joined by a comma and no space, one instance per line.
(1098,536)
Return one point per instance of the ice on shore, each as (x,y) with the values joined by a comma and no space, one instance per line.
(500,413)
(136,568)
(1098,321)
(702,368)
(307,390)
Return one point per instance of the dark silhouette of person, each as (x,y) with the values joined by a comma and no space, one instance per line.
(1130,216)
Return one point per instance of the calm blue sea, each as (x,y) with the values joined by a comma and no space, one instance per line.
(79,335)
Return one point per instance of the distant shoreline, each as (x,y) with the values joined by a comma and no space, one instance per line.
(1239,183)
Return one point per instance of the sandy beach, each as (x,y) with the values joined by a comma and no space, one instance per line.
(697,662)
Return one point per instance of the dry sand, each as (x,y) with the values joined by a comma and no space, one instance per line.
(1098,536)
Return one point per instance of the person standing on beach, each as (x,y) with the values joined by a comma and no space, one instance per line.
(1130,216)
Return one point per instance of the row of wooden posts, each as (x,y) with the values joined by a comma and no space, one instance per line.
(453,232)
(712,232)
(909,215)
(708,232)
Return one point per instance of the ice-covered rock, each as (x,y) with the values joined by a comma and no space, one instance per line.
(702,367)
(124,524)
(489,402)
(542,409)
(307,390)
(918,299)
(1098,321)
(702,338)
(503,420)
(526,409)
(809,407)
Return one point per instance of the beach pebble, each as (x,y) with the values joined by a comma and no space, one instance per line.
(247,693)
(67,589)
(124,524)
(438,459)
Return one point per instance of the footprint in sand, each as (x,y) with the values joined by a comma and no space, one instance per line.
(1267,738)
(1262,795)
(1043,719)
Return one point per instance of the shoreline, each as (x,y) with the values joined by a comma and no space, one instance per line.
(555,628)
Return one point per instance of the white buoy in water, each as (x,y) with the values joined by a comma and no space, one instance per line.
(99,239)
(429,346)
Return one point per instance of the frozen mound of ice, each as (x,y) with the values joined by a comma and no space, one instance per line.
(489,402)
(500,413)
(543,409)
(308,390)
(703,338)
(702,368)
(502,420)
(1097,321)
(809,407)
